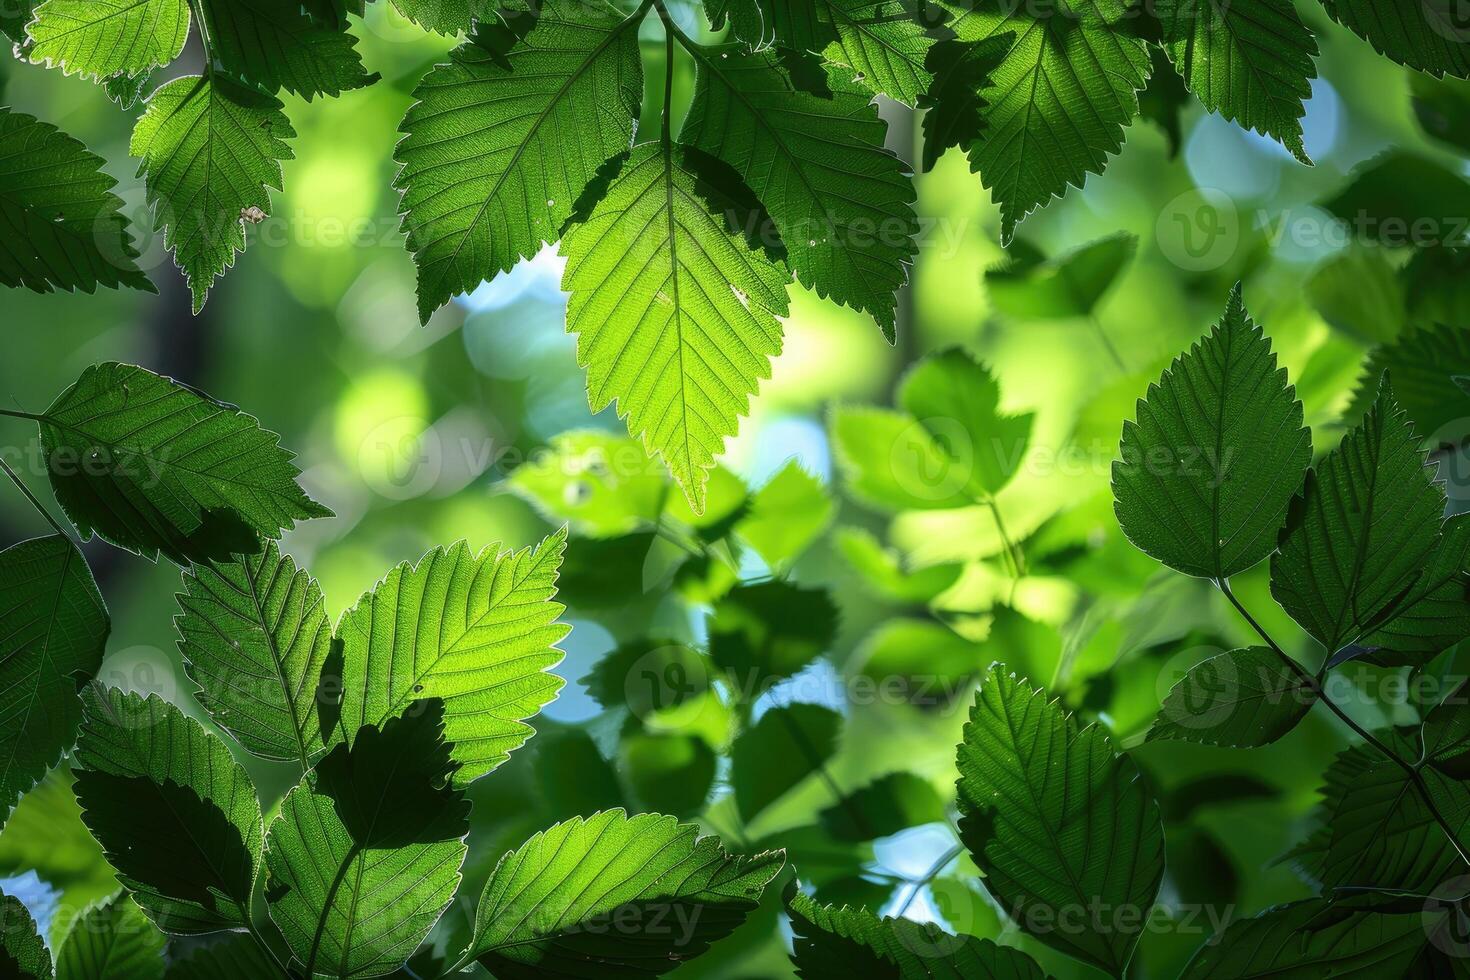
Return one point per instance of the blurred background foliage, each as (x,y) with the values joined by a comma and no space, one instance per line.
(477,427)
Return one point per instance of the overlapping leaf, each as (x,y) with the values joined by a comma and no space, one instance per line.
(175,814)
(1057,820)
(541,910)
(1209,467)
(446,16)
(254,635)
(507,135)
(102,38)
(1250,61)
(1422,363)
(770,630)
(155,466)
(1429,35)
(1311,938)
(111,940)
(1243,698)
(1361,531)
(22,953)
(834,943)
(53,629)
(1435,613)
(786,745)
(675,311)
(809,143)
(280,44)
(63,225)
(210,148)
(366,854)
(478,632)
(886,42)
(1056,104)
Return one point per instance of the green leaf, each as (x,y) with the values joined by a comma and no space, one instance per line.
(448,17)
(235,958)
(955,103)
(675,311)
(1422,363)
(765,632)
(366,853)
(277,44)
(1066,286)
(601,483)
(101,38)
(667,773)
(1056,105)
(786,516)
(175,814)
(882,571)
(1429,35)
(808,142)
(840,943)
(1311,938)
(1218,449)
(1401,199)
(505,138)
(1057,821)
(794,24)
(1243,698)
(572,773)
(886,43)
(1374,829)
(886,806)
(1434,614)
(1164,101)
(1442,106)
(891,462)
(1360,292)
(53,631)
(22,953)
(551,905)
(931,661)
(210,148)
(111,941)
(126,90)
(1361,530)
(478,632)
(1249,61)
(155,466)
(957,400)
(648,675)
(254,635)
(67,228)
(785,746)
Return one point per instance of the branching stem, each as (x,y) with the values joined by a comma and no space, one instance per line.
(1314,684)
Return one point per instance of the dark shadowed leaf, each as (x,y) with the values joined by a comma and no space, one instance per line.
(155,466)
(886,806)
(762,633)
(1058,820)
(834,943)
(53,630)
(175,814)
(477,631)
(1243,698)
(785,746)
(22,953)
(365,855)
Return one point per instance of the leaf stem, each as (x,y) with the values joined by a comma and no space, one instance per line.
(1314,684)
(40,508)
(1107,342)
(928,876)
(17,414)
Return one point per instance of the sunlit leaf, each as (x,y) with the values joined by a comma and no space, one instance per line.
(111,941)
(477,631)
(279,44)
(254,635)
(547,908)
(674,309)
(102,38)
(175,814)
(366,853)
